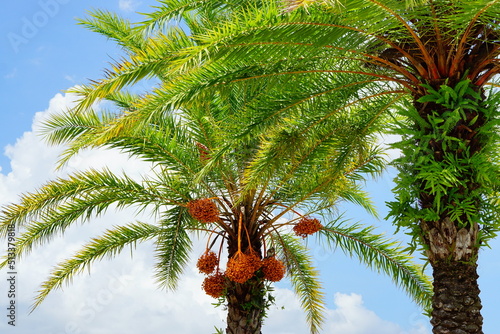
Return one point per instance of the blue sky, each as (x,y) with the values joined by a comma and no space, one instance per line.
(43,53)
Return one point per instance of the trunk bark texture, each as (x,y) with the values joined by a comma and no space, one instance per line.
(245,308)
(456,305)
(452,252)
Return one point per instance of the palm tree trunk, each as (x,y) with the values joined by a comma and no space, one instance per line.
(245,307)
(452,252)
(456,306)
(452,244)
(246,304)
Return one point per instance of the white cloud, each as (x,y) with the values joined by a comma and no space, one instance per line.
(120,295)
(70,78)
(128,5)
(385,140)
(11,74)
(32,161)
(351,317)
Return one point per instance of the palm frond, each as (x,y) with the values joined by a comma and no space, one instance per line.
(304,278)
(63,202)
(114,27)
(67,127)
(174,10)
(381,254)
(109,244)
(173,247)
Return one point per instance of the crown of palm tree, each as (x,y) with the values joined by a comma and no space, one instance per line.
(248,215)
(430,61)
(245,148)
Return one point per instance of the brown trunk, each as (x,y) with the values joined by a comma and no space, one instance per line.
(245,307)
(456,305)
(452,252)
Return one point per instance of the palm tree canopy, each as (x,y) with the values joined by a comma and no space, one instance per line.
(377,55)
(435,60)
(232,144)
(181,175)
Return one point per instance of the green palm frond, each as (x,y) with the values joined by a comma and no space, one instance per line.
(304,278)
(307,34)
(168,142)
(114,27)
(84,195)
(124,100)
(66,127)
(381,254)
(109,245)
(161,57)
(168,11)
(123,74)
(175,10)
(173,247)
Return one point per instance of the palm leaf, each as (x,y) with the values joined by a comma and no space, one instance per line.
(381,254)
(114,27)
(173,247)
(109,244)
(304,278)
(84,195)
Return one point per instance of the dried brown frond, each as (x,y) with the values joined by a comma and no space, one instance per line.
(204,152)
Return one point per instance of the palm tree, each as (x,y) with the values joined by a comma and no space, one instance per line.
(261,224)
(434,59)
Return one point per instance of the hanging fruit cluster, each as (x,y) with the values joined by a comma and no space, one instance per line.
(204,210)
(307,226)
(207,262)
(215,284)
(242,266)
(273,269)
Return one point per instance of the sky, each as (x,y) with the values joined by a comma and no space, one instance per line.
(43,52)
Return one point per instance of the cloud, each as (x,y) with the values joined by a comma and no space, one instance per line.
(385,141)
(128,5)
(11,74)
(32,162)
(120,295)
(351,317)
(69,78)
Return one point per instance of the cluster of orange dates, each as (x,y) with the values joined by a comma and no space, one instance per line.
(242,265)
(204,210)
(307,226)
(240,268)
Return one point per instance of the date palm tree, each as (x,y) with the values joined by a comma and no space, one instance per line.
(434,60)
(199,183)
